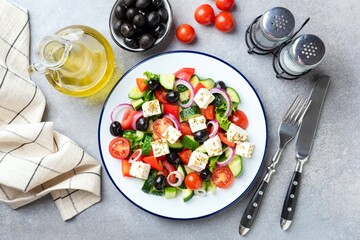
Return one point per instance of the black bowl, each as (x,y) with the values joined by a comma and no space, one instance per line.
(119,39)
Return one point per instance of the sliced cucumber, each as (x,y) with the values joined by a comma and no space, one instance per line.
(208,83)
(234,96)
(181,169)
(137,103)
(167,81)
(176,146)
(140,135)
(201,148)
(194,80)
(170,192)
(149,183)
(236,165)
(211,187)
(190,112)
(135,93)
(184,95)
(187,194)
(181,88)
(189,142)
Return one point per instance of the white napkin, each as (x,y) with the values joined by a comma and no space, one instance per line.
(35,159)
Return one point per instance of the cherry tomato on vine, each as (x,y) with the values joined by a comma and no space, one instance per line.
(224,5)
(204,14)
(185,33)
(224,22)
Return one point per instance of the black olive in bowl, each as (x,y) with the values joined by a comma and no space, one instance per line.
(139,25)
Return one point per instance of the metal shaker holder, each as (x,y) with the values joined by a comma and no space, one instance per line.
(276,38)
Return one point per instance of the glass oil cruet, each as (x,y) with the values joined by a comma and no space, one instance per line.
(76,60)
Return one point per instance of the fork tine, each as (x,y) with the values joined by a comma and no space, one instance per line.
(291,109)
(296,110)
(302,112)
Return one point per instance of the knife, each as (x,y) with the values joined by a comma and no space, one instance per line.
(303,147)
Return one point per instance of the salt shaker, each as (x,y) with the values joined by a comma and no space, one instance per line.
(302,54)
(273,28)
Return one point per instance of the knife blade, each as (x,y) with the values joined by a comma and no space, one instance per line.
(303,147)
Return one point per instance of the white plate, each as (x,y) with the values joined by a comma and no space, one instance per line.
(206,66)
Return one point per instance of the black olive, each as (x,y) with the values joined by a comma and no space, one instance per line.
(205,174)
(117,27)
(121,2)
(163,13)
(115,128)
(153,84)
(153,19)
(156,3)
(172,96)
(221,84)
(142,4)
(201,136)
(160,182)
(159,30)
(130,3)
(120,12)
(131,42)
(138,31)
(142,124)
(130,14)
(217,101)
(127,30)
(173,158)
(146,41)
(139,20)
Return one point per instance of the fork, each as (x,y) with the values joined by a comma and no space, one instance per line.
(287,130)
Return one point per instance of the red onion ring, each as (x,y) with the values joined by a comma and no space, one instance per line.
(135,118)
(228,160)
(135,157)
(125,105)
(173,120)
(226,96)
(191,89)
(215,123)
(178,175)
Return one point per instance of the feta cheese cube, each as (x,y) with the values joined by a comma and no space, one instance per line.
(140,170)
(198,161)
(236,134)
(160,148)
(151,108)
(244,149)
(197,123)
(171,134)
(213,146)
(203,98)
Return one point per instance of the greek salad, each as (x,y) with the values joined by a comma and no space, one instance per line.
(180,134)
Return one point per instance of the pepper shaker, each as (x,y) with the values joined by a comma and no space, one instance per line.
(302,54)
(273,28)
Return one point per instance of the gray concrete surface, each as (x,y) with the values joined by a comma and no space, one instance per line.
(329,204)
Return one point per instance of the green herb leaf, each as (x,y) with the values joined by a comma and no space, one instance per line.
(152,76)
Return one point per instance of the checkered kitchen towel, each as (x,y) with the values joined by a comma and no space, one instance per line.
(35,159)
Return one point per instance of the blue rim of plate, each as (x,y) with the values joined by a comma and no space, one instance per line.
(193,52)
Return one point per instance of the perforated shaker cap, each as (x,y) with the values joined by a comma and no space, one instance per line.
(277,24)
(307,50)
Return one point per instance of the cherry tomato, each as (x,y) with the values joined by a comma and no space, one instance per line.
(224,22)
(222,177)
(193,181)
(160,126)
(172,109)
(204,14)
(185,33)
(184,156)
(160,95)
(239,118)
(224,5)
(127,118)
(185,128)
(119,148)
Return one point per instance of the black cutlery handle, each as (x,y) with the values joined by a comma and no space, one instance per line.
(291,197)
(253,206)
